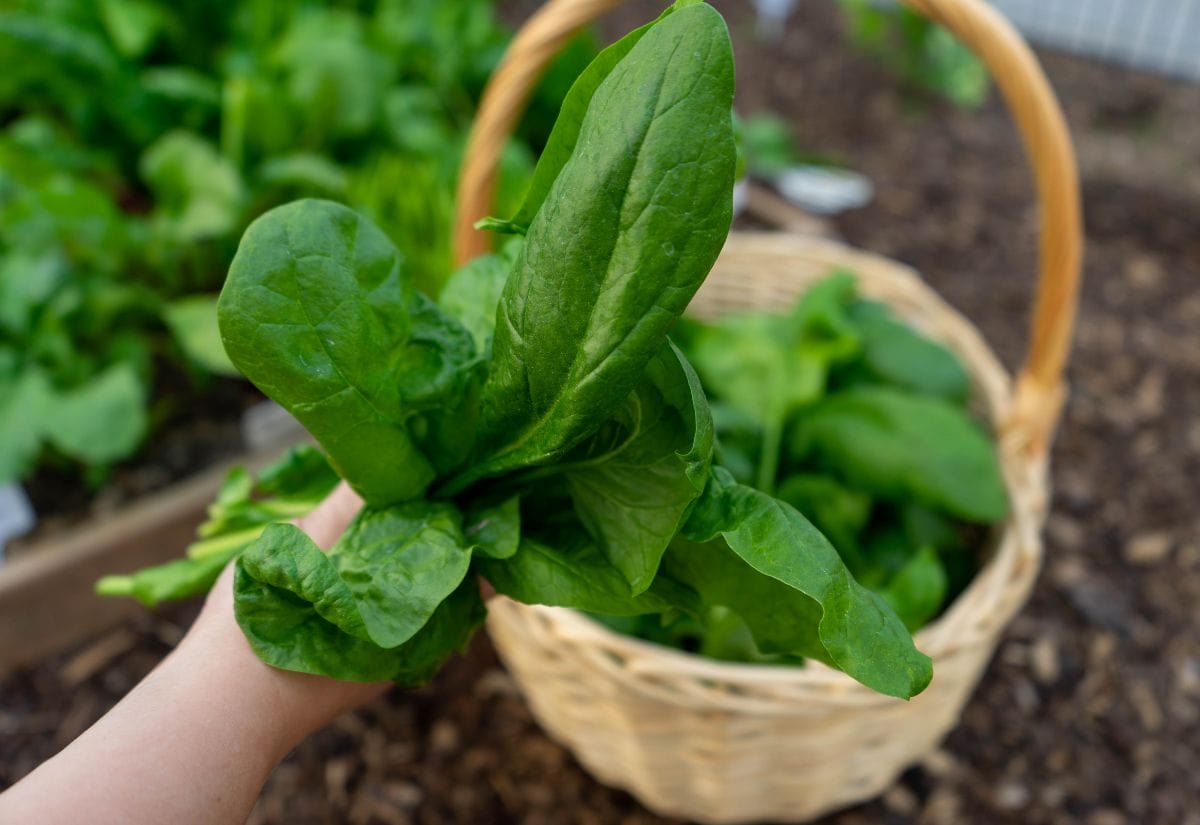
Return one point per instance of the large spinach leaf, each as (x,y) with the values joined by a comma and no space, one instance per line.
(565,134)
(627,232)
(319,314)
(289,633)
(382,580)
(859,633)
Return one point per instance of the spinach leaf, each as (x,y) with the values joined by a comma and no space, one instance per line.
(893,353)
(634,499)
(174,580)
(23,406)
(897,446)
(781,619)
(859,633)
(472,294)
(289,633)
(288,488)
(495,531)
(769,366)
(564,567)
(382,580)
(100,421)
(318,314)
(837,511)
(193,322)
(917,590)
(565,134)
(629,229)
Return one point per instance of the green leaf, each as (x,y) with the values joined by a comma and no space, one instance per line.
(178,579)
(28,280)
(308,172)
(769,366)
(198,192)
(181,85)
(288,633)
(101,421)
(382,580)
(635,498)
(318,313)
(566,569)
(628,231)
(917,591)
(781,619)
(837,511)
(495,531)
(925,527)
(302,472)
(132,24)
(769,145)
(24,405)
(565,134)
(472,294)
(333,75)
(193,322)
(859,633)
(898,446)
(894,353)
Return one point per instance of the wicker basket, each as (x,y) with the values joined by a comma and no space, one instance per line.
(725,743)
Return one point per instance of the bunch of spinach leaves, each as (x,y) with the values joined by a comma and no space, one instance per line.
(139,139)
(536,429)
(855,419)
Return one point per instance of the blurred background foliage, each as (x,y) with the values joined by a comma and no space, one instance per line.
(138,138)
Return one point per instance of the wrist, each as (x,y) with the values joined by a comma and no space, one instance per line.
(277,708)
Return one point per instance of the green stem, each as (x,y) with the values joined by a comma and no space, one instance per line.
(115,586)
(221,544)
(768,463)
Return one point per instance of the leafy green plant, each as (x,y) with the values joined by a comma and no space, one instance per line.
(859,422)
(141,137)
(925,56)
(553,441)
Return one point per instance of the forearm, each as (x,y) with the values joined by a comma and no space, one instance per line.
(178,748)
(196,740)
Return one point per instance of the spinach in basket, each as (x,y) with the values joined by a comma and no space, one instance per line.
(537,428)
(859,422)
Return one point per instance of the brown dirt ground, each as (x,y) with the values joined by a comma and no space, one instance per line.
(1091,710)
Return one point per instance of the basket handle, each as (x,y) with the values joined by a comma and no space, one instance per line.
(1040,389)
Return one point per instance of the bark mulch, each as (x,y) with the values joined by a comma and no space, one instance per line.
(1091,710)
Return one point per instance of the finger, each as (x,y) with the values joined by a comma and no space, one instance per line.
(329,520)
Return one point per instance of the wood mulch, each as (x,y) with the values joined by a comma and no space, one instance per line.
(1091,710)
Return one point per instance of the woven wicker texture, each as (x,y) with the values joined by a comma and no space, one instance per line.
(723,743)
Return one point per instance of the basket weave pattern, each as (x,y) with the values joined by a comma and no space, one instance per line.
(717,742)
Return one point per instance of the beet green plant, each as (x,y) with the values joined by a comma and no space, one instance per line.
(537,428)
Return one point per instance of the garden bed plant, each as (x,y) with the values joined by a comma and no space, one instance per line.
(536,428)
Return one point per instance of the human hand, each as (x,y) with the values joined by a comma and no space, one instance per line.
(299,702)
(196,739)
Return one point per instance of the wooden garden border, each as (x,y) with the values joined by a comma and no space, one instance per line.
(47,597)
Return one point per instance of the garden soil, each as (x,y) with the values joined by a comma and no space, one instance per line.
(1090,712)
